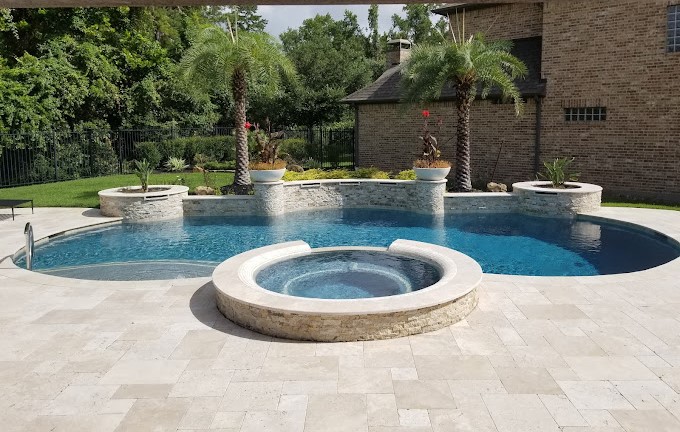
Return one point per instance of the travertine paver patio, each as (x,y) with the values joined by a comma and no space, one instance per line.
(538,354)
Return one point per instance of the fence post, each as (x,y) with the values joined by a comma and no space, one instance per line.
(116,136)
(56,161)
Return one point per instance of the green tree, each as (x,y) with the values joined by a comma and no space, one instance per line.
(417,25)
(225,62)
(465,62)
(374,37)
(332,62)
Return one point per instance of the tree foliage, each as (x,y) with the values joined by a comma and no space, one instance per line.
(118,67)
(417,25)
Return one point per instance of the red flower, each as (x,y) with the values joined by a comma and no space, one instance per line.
(247,125)
(426,113)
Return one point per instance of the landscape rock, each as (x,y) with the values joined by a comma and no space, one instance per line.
(496,187)
(204,190)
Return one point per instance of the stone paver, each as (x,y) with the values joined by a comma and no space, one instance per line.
(579,354)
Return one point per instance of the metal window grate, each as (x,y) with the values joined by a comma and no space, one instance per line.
(673,28)
(585,114)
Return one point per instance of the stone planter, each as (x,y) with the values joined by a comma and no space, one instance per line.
(432,174)
(163,203)
(267,176)
(538,197)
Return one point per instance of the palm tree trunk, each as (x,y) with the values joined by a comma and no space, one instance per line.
(464,99)
(241,176)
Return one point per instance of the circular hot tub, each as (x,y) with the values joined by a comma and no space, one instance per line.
(292,291)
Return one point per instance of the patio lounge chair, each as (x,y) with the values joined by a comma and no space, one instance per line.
(15,203)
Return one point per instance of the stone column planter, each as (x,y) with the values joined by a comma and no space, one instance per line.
(161,202)
(539,197)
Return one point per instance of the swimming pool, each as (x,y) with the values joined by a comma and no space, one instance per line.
(508,243)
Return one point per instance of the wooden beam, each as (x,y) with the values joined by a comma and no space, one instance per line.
(108,3)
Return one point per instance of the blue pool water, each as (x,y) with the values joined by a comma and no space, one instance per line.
(501,243)
(347,275)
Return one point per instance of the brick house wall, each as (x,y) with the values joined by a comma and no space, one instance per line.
(612,53)
(508,21)
(607,53)
(388,138)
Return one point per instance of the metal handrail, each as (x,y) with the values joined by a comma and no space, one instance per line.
(30,243)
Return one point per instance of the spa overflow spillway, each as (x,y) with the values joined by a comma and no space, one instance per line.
(502,243)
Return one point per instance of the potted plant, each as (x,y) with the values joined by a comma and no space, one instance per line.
(429,167)
(268,168)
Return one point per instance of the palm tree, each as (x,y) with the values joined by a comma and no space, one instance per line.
(466,64)
(228,61)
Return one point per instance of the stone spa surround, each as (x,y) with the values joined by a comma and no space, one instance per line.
(449,300)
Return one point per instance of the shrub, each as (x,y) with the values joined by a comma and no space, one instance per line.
(370,173)
(218,166)
(295,148)
(312,164)
(174,148)
(216,148)
(317,174)
(406,175)
(148,151)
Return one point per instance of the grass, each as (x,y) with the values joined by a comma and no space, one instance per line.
(83,192)
(675,207)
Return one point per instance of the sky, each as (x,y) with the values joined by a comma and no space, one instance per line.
(283,17)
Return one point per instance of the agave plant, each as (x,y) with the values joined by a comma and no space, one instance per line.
(143,170)
(175,164)
(557,172)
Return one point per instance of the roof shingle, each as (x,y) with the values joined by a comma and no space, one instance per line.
(386,87)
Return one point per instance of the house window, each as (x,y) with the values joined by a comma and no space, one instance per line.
(585,114)
(674,28)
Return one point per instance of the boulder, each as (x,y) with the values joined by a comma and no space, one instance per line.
(204,190)
(496,187)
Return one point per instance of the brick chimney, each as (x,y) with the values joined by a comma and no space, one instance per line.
(398,51)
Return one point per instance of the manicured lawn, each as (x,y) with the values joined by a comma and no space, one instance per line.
(83,192)
(642,205)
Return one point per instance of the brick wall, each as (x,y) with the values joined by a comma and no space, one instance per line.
(508,21)
(613,53)
(388,138)
(609,53)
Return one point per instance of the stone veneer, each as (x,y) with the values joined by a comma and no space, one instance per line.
(536,198)
(165,204)
(448,301)
(417,196)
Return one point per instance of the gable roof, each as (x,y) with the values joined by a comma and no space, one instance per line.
(386,88)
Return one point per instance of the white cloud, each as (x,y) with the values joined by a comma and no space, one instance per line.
(282,18)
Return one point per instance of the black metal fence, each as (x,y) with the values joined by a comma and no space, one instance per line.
(49,156)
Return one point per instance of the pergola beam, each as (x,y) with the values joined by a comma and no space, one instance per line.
(111,3)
